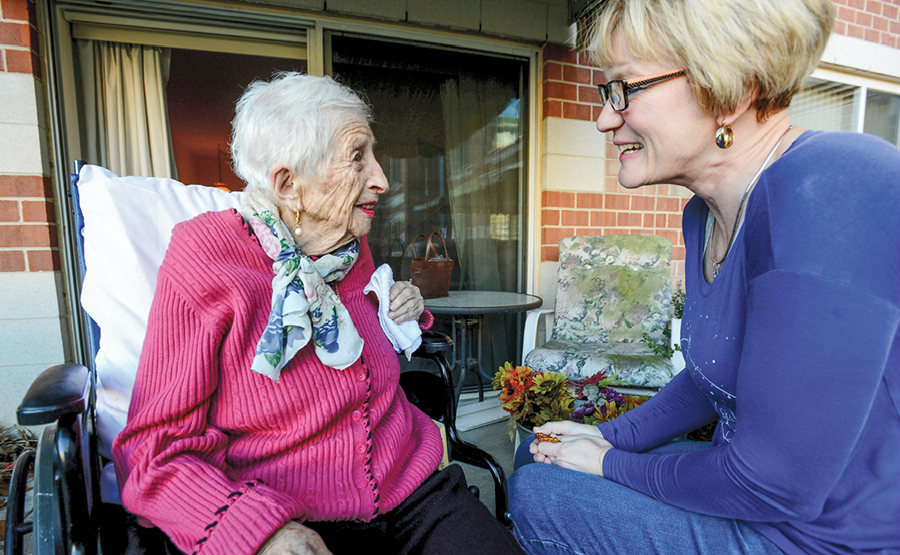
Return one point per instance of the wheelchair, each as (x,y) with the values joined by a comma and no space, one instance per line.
(69,516)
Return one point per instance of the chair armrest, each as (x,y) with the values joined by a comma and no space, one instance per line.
(58,391)
(531,323)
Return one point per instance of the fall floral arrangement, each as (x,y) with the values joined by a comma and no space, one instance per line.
(533,398)
(598,402)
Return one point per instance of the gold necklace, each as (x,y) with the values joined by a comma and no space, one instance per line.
(718,265)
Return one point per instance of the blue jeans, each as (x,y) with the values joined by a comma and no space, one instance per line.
(555,510)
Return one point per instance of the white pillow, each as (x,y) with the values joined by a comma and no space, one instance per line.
(127,225)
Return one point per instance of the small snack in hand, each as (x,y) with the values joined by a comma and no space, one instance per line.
(546,437)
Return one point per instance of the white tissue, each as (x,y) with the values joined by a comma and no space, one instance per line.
(406,336)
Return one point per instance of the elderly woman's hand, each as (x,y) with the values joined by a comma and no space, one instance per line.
(294,539)
(406,302)
(581,447)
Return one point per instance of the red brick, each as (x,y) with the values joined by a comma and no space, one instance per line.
(678,252)
(586,58)
(575,217)
(43,260)
(646,203)
(559,53)
(15,9)
(674,221)
(27,236)
(588,93)
(840,27)
(561,90)
(603,218)
(38,211)
(659,220)
(890,12)
(846,14)
(858,4)
(553,235)
(549,217)
(882,23)
(649,220)
(576,74)
(20,61)
(617,202)
(874,6)
(552,109)
(589,200)
(673,236)
(865,19)
(855,31)
(9,211)
(560,199)
(553,71)
(549,254)
(895,27)
(668,204)
(612,182)
(629,219)
(888,39)
(15,34)
(872,35)
(574,110)
(25,186)
(12,261)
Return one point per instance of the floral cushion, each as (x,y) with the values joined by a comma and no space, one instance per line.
(611,291)
(629,364)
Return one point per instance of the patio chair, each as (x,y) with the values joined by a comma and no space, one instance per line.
(611,290)
(125,223)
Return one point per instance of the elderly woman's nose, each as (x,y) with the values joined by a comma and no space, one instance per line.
(377,180)
(608,119)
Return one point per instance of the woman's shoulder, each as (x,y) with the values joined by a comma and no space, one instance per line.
(207,235)
(842,154)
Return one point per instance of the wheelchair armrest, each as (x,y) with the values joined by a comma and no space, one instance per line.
(58,391)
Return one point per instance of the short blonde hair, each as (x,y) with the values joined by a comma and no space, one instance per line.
(727,48)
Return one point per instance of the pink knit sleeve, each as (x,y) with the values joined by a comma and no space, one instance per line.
(169,459)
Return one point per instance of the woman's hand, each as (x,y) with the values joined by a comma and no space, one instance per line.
(294,539)
(581,447)
(406,302)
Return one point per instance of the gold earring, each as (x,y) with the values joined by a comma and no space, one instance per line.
(724,136)
(297,231)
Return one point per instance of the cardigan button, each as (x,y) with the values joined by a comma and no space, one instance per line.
(360,448)
(361,375)
(362,483)
(356,415)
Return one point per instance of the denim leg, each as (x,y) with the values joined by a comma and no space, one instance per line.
(560,511)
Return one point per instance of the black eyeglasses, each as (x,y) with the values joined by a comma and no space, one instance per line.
(616,92)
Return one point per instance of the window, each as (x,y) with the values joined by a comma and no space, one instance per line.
(830,106)
(450,134)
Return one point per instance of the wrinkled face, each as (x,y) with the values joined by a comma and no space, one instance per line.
(339,205)
(662,135)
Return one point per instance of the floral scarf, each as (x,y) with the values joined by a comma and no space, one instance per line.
(303,304)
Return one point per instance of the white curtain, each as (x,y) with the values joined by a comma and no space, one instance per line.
(126,121)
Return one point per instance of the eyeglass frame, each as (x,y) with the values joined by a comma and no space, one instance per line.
(606,93)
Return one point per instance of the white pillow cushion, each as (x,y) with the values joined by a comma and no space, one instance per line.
(127,225)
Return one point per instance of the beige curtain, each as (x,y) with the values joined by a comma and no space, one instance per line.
(126,121)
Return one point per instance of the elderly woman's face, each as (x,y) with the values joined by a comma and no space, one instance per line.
(662,135)
(340,205)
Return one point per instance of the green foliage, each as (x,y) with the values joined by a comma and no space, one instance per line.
(678,302)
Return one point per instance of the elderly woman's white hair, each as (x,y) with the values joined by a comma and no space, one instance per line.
(727,48)
(291,121)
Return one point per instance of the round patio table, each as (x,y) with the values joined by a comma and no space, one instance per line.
(468,308)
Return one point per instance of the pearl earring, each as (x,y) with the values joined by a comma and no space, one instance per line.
(297,231)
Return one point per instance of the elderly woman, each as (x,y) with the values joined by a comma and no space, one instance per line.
(790,329)
(267,416)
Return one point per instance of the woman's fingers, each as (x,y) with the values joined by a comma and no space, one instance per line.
(406,302)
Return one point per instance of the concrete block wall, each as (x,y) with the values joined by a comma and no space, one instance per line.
(32,325)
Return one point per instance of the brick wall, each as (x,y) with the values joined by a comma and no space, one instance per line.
(876,21)
(28,238)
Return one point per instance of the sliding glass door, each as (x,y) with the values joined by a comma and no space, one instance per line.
(450,133)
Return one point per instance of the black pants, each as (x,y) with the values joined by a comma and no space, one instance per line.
(440,517)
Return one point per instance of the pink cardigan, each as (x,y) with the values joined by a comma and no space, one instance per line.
(219,456)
